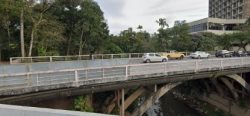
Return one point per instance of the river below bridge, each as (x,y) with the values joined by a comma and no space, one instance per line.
(168,105)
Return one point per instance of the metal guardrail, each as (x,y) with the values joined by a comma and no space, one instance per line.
(18,60)
(35,59)
(86,76)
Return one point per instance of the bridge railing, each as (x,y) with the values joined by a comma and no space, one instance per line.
(18,60)
(86,76)
(35,59)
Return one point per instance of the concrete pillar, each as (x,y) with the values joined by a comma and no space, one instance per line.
(223,27)
(152,99)
(89,100)
(116,101)
(122,110)
(133,97)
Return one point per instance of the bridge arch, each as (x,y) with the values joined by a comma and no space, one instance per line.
(152,99)
(240,80)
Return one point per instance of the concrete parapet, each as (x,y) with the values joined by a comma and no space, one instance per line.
(8,110)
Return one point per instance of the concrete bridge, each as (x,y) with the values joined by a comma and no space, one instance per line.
(40,80)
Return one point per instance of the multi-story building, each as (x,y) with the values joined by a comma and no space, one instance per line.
(215,25)
(224,17)
(229,9)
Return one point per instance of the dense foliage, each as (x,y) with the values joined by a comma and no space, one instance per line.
(81,104)
(72,27)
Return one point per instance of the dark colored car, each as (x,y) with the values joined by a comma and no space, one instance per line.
(240,54)
(224,53)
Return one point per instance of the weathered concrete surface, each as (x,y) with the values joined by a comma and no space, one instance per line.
(226,105)
(62,65)
(240,80)
(133,97)
(109,86)
(152,99)
(230,87)
(8,110)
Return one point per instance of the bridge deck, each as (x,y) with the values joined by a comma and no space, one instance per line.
(24,82)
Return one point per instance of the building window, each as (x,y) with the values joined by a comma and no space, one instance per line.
(199,27)
(215,26)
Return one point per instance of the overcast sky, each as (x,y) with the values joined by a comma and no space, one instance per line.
(122,14)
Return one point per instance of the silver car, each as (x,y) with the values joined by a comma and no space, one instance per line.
(153,57)
(200,54)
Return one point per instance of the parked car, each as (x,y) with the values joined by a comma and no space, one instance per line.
(224,53)
(199,55)
(173,54)
(240,54)
(153,57)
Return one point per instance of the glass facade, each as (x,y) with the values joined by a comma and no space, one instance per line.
(213,26)
(198,27)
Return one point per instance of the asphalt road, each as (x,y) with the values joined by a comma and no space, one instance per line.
(189,58)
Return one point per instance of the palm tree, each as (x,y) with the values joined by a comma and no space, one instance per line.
(140,27)
(162,22)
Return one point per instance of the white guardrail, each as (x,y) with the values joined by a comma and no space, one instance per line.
(17,60)
(86,76)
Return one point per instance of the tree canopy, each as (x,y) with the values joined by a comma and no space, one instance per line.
(75,27)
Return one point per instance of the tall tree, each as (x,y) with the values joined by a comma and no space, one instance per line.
(9,12)
(22,29)
(181,39)
(38,17)
(93,26)
(204,42)
(85,26)
(140,27)
(67,12)
(162,22)
(163,36)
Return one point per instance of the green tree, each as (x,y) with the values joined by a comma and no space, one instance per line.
(95,27)
(204,42)
(162,23)
(80,104)
(240,39)
(163,38)
(181,39)
(225,41)
(38,17)
(140,27)
(67,13)
(9,23)
(85,26)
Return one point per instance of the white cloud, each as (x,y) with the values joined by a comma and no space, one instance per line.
(122,14)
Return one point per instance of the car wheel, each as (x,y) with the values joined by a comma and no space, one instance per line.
(199,57)
(148,61)
(164,60)
(182,57)
(208,56)
(168,56)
